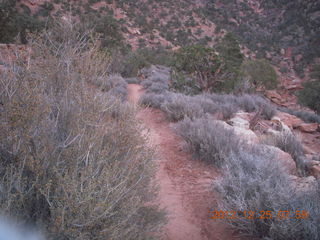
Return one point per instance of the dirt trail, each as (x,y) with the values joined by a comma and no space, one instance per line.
(185,184)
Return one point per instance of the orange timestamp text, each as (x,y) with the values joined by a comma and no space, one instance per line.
(263,214)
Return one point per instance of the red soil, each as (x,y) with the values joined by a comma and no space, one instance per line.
(185,189)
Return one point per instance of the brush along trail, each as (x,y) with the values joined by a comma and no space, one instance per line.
(185,189)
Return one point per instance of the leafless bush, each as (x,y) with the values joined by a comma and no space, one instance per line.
(178,107)
(254,182)
(207,139)
(73,161)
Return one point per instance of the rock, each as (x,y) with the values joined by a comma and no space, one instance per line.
(290,120)
(245,134)
(244,115)
(283,158)
(303,183)
(308,150)
(279,125)
(274,96)
(314,168)
(308,127)
(296,86)
(239,122)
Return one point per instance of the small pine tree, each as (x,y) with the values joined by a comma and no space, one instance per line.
(310,94)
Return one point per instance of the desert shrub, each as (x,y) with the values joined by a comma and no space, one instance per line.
(251,103)
(204,102)
(178,107)
(157,79)
(157,87)
(268,110)
(207,139)
(115,85)
(228,110)
(288,142)
(73,160)
(247,103)
(252,181)
(153,100)
(259,73)
(305,116)
(309,95)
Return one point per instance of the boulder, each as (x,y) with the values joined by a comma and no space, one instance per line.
(308,127)
(283,158)
(274,96)
(290,120)
(239,122)
(279,125)
(244,134)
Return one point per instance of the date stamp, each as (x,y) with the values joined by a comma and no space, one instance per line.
(264,214)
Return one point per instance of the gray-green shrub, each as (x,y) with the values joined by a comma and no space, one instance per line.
(252,181)
(208,139)
(73,160)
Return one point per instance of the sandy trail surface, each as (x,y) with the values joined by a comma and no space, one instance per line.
(185,184)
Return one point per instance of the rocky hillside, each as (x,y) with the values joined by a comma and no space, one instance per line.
(284,32)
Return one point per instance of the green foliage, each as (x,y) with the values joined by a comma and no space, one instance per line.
(201,63)
(144,57)
(108,29)
(259,73)
(310,94)
(229,50)
(232,57)
(13,23)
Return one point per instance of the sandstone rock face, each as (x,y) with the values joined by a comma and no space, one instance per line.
(290,120)
(274,96)
(314,168)
(308,127)
(283,158)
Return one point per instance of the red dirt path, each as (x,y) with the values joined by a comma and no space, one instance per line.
(185,184)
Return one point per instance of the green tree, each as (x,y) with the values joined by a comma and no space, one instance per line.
(310,94)
(202,63)
(13,22)
(258,73)
(229,51)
